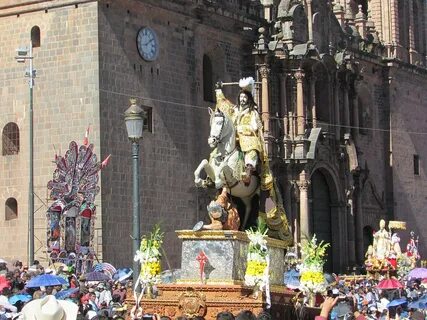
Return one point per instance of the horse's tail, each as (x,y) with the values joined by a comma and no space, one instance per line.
(275,216)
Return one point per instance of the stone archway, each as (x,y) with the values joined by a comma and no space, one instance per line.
(320,218)
(324,217)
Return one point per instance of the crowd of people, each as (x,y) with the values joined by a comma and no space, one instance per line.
(94,299)
(364,300)
(346,298)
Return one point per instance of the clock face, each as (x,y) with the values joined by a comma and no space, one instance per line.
(147,43)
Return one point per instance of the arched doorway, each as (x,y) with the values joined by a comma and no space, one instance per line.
(320,220)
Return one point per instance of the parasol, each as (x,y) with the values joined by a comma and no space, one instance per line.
(122,274)
(388,284)
(418,273)
(64,294)
(419,304)
(3,261)
(20,297)
(96,276)
(396,302)
(46,280)
(106,268)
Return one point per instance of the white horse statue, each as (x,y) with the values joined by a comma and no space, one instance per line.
(226,163)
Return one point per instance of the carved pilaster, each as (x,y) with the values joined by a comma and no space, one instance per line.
(303,185)
(313,99)
(299,76)
(264,73)
(310,20)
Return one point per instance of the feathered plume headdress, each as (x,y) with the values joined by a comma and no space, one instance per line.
(247,84)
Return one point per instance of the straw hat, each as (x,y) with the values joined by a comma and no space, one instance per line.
(48,308)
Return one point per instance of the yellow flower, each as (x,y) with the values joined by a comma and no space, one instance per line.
(255,268)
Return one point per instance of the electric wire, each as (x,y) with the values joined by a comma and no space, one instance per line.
(322,123)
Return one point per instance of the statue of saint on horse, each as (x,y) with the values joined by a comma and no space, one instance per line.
(238,162)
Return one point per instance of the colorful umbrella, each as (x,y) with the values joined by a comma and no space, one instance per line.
(418,273)
(64,294)
(388,284)
(46,280)
(20,297)
(105,267)
(96,276)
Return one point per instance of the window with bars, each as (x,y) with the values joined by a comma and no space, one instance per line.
(11,209)
(10,139)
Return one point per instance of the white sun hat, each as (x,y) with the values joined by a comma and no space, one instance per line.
(49,308)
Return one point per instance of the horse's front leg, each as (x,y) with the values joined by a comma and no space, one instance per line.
(197,180)
(247,203)
(219,182)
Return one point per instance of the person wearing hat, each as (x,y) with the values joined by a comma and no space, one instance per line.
(49,308)
(105,297)
(248,124)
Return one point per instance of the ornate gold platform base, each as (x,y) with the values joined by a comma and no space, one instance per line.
(208,300)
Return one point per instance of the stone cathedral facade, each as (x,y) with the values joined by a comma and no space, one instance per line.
(340,91)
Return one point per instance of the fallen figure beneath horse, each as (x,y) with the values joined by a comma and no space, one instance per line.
(238,168)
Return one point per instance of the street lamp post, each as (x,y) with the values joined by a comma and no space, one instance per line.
(134,119)
(24,54)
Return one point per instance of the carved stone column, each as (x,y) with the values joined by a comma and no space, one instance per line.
(264,72)
(283,104)
(299,76)
(313,99)
(351,256)
(310,20)
(337,107)
(303,184)
(358,219)
(346,107)
(412,51)
(355,102)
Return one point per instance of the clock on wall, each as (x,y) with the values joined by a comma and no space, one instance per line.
(147,44)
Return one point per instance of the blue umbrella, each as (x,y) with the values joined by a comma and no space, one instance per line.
(20,297)
(396,302)
(46,280)
(64,294)
(419,304)
(96,276)
(122,274)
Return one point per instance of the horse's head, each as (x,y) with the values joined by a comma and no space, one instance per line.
(218,123)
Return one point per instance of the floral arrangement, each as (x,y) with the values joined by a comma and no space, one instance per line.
(257,260)
(149,257)
(313,258)
(405,264)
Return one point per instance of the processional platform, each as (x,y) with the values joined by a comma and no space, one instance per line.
(213,265)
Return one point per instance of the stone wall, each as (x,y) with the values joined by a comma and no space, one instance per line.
(65,102)
(173,87)
(409,118)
